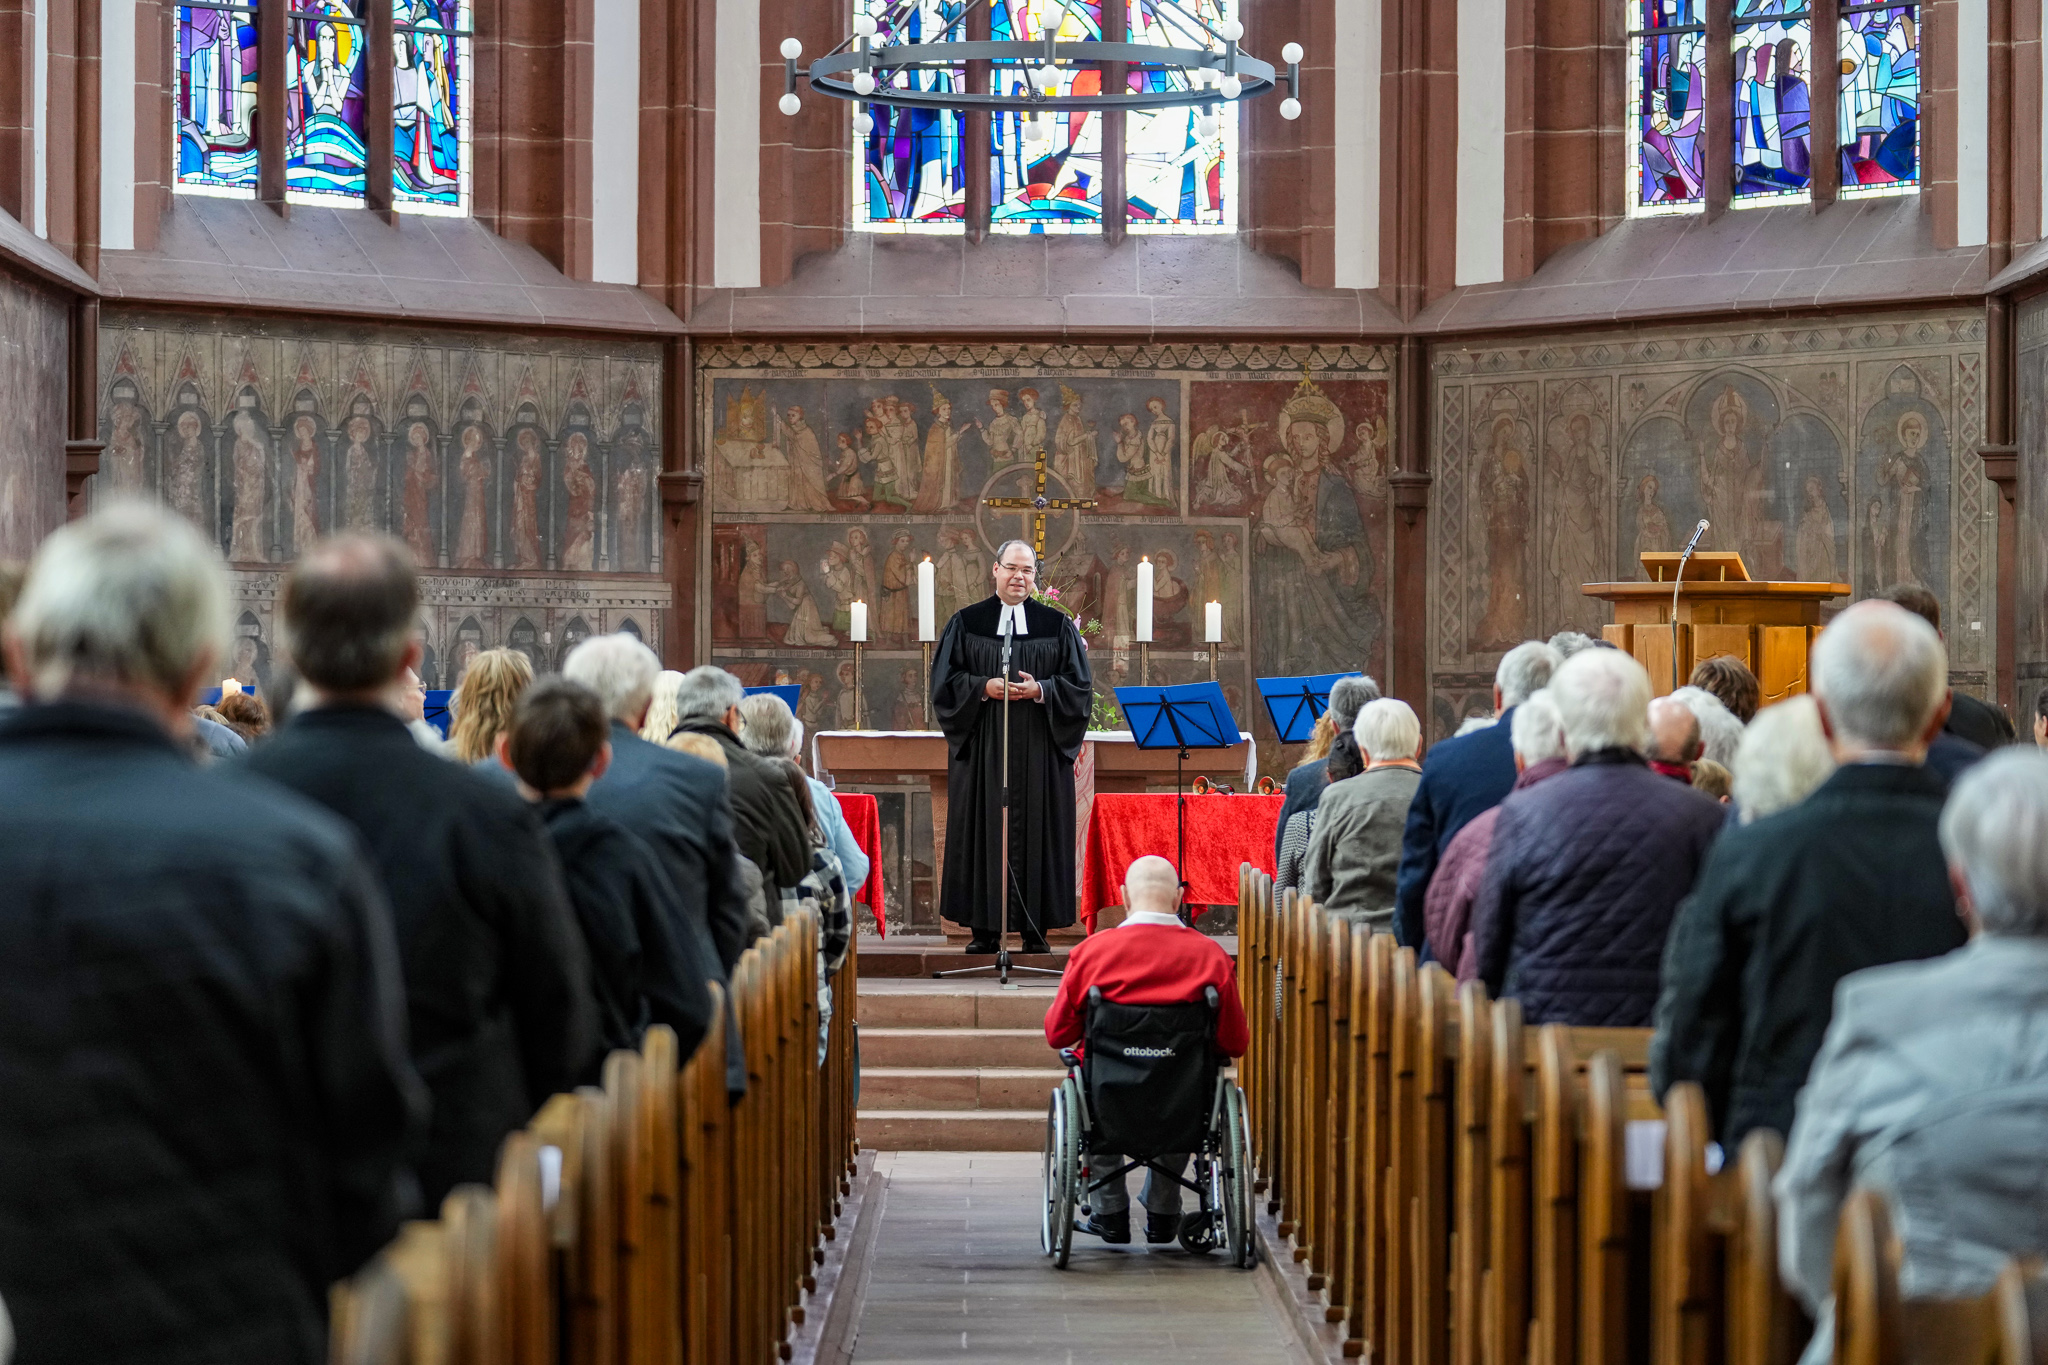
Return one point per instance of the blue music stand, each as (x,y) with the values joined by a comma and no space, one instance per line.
(790,693)
(1190,716)
(436,713)
(1295,704)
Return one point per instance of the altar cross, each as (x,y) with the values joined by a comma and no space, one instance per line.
(1038,505)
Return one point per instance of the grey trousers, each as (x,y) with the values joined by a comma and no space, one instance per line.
(1160,1195)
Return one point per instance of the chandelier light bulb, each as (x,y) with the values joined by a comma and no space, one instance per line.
(792,49)
(1291,54)
(863,84)
(1290,109)
(1230,30)
(1231,87)
(1205,126)
(1046,77)
(789,104)
(863,123)
(864,25)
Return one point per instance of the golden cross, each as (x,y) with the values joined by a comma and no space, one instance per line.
(1038,505)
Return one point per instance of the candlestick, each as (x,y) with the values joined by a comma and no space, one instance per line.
(1145,599)
(927,648)
(860,720)
(1212,620)
(858,624)
(927,601)
(1144,663)
(1212,657)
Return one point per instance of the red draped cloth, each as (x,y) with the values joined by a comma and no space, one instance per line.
(1223,831)
(864,817)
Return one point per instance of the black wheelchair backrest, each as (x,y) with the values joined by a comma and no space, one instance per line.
(1150,1074)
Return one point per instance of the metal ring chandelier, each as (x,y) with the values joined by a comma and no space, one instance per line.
(864,72)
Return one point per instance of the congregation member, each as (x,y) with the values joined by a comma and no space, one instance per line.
(497,981)
(767,820)
(1342,763)
(1538,735)
(1587,868)
(483,704)
(1570,642)
(641,969)
(205,1097)
(1461,777)
(411,704)
(212,737)
(768,729)
(674,802)
(1784,757)
(1971,719)
(1306,780)
(1149,959)
(1931,1085)
(1674,739)
(244,713)
(1728,680)
(660,723)
(1720,728)
(1711,779)
(2041,719)
(1850,877)
(1356,848)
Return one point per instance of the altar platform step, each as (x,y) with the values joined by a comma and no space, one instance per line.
(1000,1088)
(952,1130)
(917,956)
(956,1065)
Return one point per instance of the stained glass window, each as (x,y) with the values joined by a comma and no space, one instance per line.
(1667,70)
(1054,185)
(430,106)
(216,94)
(910,177)
(325,107)
(1179,164)
(1773,101)
(1880,99)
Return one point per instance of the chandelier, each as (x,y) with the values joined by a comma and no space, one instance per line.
(1210,70)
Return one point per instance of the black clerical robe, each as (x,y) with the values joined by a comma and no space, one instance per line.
(1045,738)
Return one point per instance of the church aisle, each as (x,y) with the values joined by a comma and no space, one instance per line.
(955,1275)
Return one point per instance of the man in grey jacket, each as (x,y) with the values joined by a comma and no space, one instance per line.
(1357,843)
(1932,1085)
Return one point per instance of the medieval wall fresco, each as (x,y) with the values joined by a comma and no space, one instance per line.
(1843,452)
(34,328)
(2030,646)
(521,472)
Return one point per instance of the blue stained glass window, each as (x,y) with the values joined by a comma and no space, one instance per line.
(1178,174)
(216,100)
(430,106)
(1056,184)
(1880,99)
(326,107)
(1773,101)
(1667,69)
(909,176)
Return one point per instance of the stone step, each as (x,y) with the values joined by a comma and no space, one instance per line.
(955,1047)
(951,1130)
(985,1088)
(927,1007)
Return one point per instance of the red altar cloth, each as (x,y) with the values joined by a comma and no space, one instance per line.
(1223,831)
(864,817)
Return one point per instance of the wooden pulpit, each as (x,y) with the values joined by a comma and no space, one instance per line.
(1769,626)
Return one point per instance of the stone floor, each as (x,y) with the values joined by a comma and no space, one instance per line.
(955,1274)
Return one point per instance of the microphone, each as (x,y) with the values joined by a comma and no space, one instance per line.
(1697,532)
(1677,582)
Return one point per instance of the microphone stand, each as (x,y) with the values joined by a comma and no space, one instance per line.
(1677,583)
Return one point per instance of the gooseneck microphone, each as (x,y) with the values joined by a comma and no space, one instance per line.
(1677,583)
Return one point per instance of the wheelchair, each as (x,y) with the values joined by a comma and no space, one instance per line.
(1150,1082)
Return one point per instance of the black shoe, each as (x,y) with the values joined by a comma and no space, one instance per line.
(1114,1228)
(984,946)
(1037,945)
(1161,1227)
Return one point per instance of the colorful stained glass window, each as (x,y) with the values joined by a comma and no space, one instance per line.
(325,109)
(430,106)
(1773,51)
(1667,69)
(1179,163)
(1055,184)
(216,94)
(1880,99)
(910,177)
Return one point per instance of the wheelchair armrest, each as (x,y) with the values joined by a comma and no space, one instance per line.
(1070,1056)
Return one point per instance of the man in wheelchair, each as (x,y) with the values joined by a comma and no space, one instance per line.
(1151,959)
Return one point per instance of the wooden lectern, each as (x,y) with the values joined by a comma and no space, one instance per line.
(1769,626)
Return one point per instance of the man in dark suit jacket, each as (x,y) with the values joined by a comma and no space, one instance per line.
(1970,718)
(497,980)
(1461,777)
(1306,781)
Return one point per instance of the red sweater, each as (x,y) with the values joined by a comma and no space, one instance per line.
(1147,964)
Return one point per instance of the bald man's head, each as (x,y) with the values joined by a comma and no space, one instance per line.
(1674,731)
(1151,886)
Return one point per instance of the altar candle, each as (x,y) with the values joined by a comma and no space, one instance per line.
(1212,621)
(927,601)
(1145,599)
(859,625)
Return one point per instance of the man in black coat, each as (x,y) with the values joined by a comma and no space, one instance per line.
(767,821)
(1852,877)
(675,802)
(1306,781)
(205,1098)
(1971,719)
(1461,777)
(497,981)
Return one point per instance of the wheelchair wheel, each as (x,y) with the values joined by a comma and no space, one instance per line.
(1240,1239)
(1061,1166)
(1201,1232)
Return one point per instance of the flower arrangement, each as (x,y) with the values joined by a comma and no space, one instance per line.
(1105,714)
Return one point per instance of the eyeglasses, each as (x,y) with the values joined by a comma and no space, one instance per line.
(1025,569)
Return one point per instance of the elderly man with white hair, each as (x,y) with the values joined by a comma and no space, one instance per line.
(1587,868)
(206,1102)
(768,819)
(1851,877)
(769,729)
(1356,849)
(1931,1086)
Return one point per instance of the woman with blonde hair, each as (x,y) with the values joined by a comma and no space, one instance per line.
(661,708)
(483,702)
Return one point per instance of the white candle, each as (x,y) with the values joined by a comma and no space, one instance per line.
(1212,620)
(927,601)
(859,625)
(1145,599)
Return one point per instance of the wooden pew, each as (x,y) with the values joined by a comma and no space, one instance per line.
(1876,1325)
(703,1151)
(367,1317)
(523,1256)
(583,1225)
(469,1223)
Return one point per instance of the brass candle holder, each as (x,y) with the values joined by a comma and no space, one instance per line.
(925,646)
(860,705)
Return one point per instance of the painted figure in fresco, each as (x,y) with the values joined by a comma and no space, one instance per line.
(526,502)
(251,460)
(754,589)
(1224,455)
(1159,446)
(1231,564)
(860,565)
(1127,443)
(579,518)
(838,595)
(1578,550)
(908,712)
(1285,517)
(420,480)
(813,708)
(1169,600)
(847,484)
(1002,432)
(1030,425)
(1209,571)
(123,463)
(1314,568)
(1119,596)
(182,470)
(806,463)
(359,476)
(895,459)
(896,612)
(1731,484)
(423,91)
(937,487)
(305,482)
(1075,447)
(1814,548)
(1875,535)
(957,577)
(629,491)
(1904,477)
(849,716)
(1653,527)
(1503,498)
(806,627)
(473,536)
(903,427)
